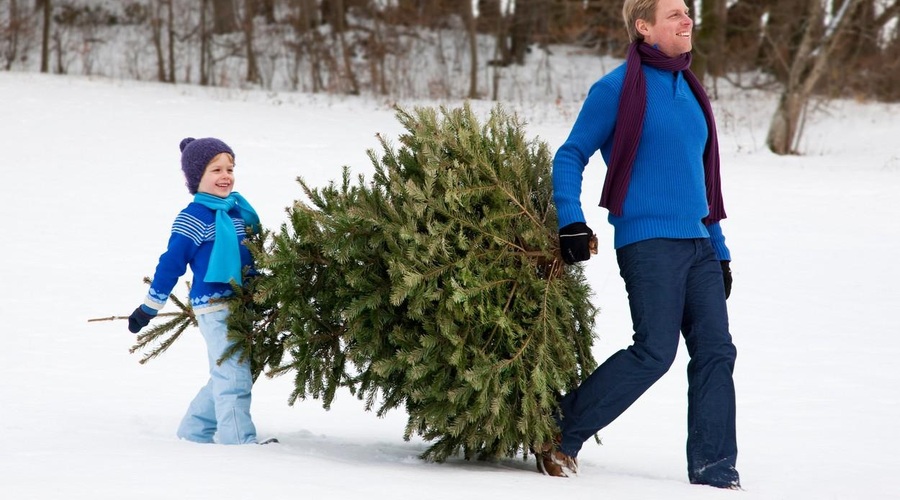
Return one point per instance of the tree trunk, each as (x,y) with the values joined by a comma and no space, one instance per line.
(171,31)
(306,20)
(890,82)
(806,68)
(377,52)
(785,123)
(204,44)
(857,62)
(788,21)
(45,36)
(156,25)
(489,16)
(12,45)
(336,17)
(604,27)
(252,67)
(743,33)
(709,56)
(472,29)
(265,8)
(224,17)
(520,32)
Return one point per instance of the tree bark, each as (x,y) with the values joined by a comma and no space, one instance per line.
(265,8)
(521,30)
(171,31)
(806,68)
(12,45)
(252,67)
(45,36)
(204,44)
(472,31)
(743,33)
(224,17)
(788,22)
(489,16)
(337,19)
(710,54)
(156,26)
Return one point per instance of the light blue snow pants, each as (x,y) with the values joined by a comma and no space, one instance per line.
(221,410)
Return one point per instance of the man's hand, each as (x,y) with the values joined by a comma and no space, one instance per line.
(575,242)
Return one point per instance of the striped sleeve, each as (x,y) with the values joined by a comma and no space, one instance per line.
(192,228)
(188,232)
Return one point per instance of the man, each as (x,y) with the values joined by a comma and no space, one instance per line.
(652,122)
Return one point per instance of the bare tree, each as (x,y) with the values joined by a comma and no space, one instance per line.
(472,31)
(265,8)
(521,30)
(743,33)
(806,67)
(305,19)
(205,45)
(603,27)
(860,51)
(376,52)
(489,16)
(47,7)
(11,33)
(709,53)
(792,40)
(224,16)
(886,83)
(252,67)
(336,16)
(171,31)
(788,23)
(156,31)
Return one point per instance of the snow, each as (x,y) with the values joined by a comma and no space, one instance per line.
(91,183)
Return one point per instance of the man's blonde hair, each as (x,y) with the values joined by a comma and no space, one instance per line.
(632,10)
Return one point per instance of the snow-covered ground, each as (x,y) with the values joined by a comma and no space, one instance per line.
(91,183)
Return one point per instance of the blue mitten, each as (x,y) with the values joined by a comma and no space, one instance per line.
(140,318)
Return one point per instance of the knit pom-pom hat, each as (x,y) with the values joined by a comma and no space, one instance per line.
(196,155)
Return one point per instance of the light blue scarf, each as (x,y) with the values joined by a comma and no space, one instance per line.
(225,261)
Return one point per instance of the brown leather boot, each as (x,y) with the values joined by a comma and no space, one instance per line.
(552,462)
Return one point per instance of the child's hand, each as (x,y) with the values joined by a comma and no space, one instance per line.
(140,318)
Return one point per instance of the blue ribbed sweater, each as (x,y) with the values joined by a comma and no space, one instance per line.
(667,194)
(191,242)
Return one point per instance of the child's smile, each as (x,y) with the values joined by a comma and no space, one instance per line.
(218,178)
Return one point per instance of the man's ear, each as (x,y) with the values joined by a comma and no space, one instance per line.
(641,26)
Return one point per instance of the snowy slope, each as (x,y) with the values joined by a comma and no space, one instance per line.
(91,183)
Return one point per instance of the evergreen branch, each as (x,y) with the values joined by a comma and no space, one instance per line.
(522,208)
(179,323)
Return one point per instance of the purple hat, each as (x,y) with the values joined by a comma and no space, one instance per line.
(196,155)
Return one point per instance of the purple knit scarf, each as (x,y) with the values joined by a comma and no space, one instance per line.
(630,123)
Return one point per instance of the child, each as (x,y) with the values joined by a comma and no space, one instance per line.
(207,235)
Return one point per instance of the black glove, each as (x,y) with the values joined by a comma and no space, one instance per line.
(575,242)
(726,275)
(140,318)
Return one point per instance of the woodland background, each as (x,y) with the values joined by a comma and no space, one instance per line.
(806,50)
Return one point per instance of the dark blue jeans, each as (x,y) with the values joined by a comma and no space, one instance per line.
(673,286)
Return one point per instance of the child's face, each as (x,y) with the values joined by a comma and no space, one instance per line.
(218,178)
